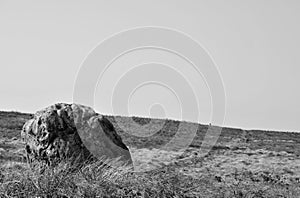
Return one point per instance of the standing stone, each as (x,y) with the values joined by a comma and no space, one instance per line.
(73,132)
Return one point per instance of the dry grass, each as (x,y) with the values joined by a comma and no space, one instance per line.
(241,165)
(117,180)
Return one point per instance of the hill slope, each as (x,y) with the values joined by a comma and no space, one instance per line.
(11,124)
(241,163)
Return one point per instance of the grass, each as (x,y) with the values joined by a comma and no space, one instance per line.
(11,123)
(97,180)
(242,164)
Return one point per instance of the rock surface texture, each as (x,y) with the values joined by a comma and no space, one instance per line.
(71,131)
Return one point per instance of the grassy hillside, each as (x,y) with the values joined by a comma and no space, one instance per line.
(242,163)
(11,123)
(270,140)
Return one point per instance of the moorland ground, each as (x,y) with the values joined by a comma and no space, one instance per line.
(242,163)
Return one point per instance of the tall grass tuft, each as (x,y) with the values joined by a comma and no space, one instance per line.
(112,178)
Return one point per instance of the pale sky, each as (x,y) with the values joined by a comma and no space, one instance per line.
(255,45)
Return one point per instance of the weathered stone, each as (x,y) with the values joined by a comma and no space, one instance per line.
(98,134)
(74,132)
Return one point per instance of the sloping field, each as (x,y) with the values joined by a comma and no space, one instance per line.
(264,163)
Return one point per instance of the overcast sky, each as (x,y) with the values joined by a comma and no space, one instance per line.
(255,45)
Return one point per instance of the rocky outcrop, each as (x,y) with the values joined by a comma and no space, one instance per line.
(73,132)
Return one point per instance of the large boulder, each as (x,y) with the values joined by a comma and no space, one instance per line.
(73,132)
